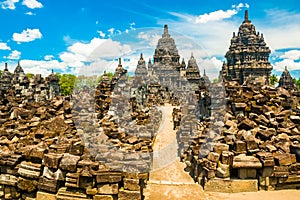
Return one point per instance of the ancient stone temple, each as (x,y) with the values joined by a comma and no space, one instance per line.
(141,69)
(53,82)
(166,50)
(286,81)
(248,55)
(192,72)
(120,75)
(6,79)
(28,89)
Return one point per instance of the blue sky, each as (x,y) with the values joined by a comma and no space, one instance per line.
(73,36)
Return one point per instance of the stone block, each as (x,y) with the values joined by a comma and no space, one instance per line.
(48,185)
(129,195)
(27,185)
(240,147)
(70,194)
(220,147)
(246,173)
(30,170)
(243,161)
(103,197)
(131,184)
(227,157)
(69,162)
(281,171)
(45,196)
(72,180)
(52,160)
(214,157)
(91,191)
(6,179)
(108,177)
(108,188)
(285,159)
(266,171)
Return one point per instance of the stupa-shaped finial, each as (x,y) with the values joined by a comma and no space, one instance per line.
(246,16)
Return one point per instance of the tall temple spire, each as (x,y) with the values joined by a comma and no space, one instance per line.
(246,18)
(166,31)
(5,68)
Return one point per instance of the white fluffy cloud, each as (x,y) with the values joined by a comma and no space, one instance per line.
(32,4)
(14,55)
(9,4)
(291,55)
(291,65)
(3,46)
(150,38)
(27,35)
(30,13)
(48,57)
(220,14)
(102,35)
(98,52)
(42,66)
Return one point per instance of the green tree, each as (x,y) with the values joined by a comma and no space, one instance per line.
(273,79)
(0,73)
(215,80)
(67,83)
(297,82)
(30,75)
(109,74)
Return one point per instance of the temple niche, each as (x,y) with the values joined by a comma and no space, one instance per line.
(34,89)
(248,55)
(286,81)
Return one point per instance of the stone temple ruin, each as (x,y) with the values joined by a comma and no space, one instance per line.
(253,143)
(236,135)
(28,89)
(248,55)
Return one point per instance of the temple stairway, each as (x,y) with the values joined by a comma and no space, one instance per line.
(168,180)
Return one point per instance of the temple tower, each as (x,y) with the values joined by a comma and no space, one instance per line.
(248,55)
(286,81)
(192,72)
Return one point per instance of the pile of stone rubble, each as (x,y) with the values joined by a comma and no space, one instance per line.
(256,137)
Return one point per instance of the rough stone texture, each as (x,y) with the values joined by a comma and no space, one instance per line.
(129,195)
(45,196)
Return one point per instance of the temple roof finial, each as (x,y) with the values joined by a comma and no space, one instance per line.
(141,56)
(120,61)
(52,71)
(285,68)
(5,68)
(19,63)
(166,31)
(246,18)
(204,74)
